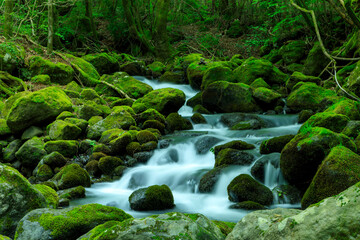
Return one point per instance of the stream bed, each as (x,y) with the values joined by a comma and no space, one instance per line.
(181,166)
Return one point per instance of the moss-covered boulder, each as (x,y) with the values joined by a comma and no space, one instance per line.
(195,73)
(90,94)
(54,160)
(275,144)
(2,237)
(339,171)
(12,56)
(154,124)
(118,144)
(65,114)
(236,144)
(236,120)
(152,198)
(103,62)
(69,223)
(352,129)
(72,176)
(217,73)
(164,226)
(156,69)
(253,68)
(245,188)
(31,152)
(176,122)
(315,62)
(145,136)
(173,77)
(150,114)
(43,172)
(165,101)
(228,97)
(68,148)
(4,129)
(72,193)
(42,79)
(309,96)
(9,84)
(301,157)
(297,77)
(134,68)
(195,100)
(122,81)
(210,178)
(346,107)
(61,130)
(229,156)
(266,98)
(80,123)
(50,195)
(37,108)
(248,205)
(197,118)
(59,72)
(73,86)
(17,197)
(108,164)
(89,110)
(334,122)
(8,153)
(293,51)
(259,82)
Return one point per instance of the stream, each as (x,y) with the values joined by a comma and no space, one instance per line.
(181,166)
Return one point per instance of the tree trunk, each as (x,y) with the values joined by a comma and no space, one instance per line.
(50,44)
(89,15)
(8,22)
(160,33)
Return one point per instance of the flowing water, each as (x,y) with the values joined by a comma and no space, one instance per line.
(181,166)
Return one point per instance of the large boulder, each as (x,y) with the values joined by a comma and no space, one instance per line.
(245,188)
(266,98)
(275,144)
(347,107)
(61,130)
(316,61)
(293,51)
(175,122)
(37,108)
(31,152)
(253,68)
(164,226)
(72,176)
(152,198)
(297,77)
(103,62)
(333,218)
(339,171)
(226,97)
(333,121)
(231,156)
(68,148)
(84,70)
(309,96)
(165,101)
(122,81)
(236,121)
(204,144)
(236,144)
(59,72)
(209,179)
(69,223)
(217,73)
(301,157)
(17,197)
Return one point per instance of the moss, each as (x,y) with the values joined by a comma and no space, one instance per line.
(132,148)
(72,176)
(43,79)
(248,205)
(275,144)
(61,130)
(259,82)
(51,197)
(174,122)
(197,118)
(31,152)
(58,72)
(297,77)
(154,124)
(148,146)
(334,122)
(44,172)
(209,179)
(145,136)
(293,51)
(73,193)
(67,148)
(156,68)
(89,94)
(217,73)
(173,77)
(4,129)
(346,107)
(109,135)
(65,114)
(12,56)
(225,227)
(85,71)
(266,96)
(103,62)
(229,156)
(236,144)
(108,164)
(151,114)
(73,86)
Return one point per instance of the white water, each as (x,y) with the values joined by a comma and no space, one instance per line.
(180,167)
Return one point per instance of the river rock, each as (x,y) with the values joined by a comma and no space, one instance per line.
(247,205)
(297,77)
(10,150)
(301,157)
(347,107)
(37,108)
(245,188)
(44,224)
(165,100)
(109,163)
(339,170)
(287,193)
(197,118)
(61,130)
(233,119)
(68,148)
(164,226)
(17,197)
(152,198)
(333,121)
(72,176)
(31,152)
(217,73)
(175,122)
(316,61)
(352,129)
(209,179)
(204,144)
(267,98)
(231,156)
(236,144)
(84,70)
(226,97)
(275,144)
(103,62)
(292,224)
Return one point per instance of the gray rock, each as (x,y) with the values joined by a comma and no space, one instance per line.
(204,144)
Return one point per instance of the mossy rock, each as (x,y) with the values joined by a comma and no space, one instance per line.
(42,79)
(273,56)
(51,197)
(103,62)
(236,144)
(89,94)
(225,97)
(339,171)
(154,124)
(69,223)
(49,102)
(109,135)
(150,114)
(334,122)
(80,123)
(8,153)
(297,77)
(267,98)
(309,96)
(108,164)
(73,193)
(31,152)
(248,205)
(133,148)
(352,129)
(65,114)
(346,107)
(152,198)
(135,68)
(217,73)
(12,56)
(173,77)
(304,115)
(72,176)
(17,197)
(44,172)
(197,118)
(275,144)
(229,156)
(245,188)
(32,132)
(301,157)
(156,69)
(59,72)
(201,109)
(89,110)
(122,81)
(61,130)
(210,178)
(85,71)
(293,51)
(73,86)
(188,59)
(145,136)
(195,73)
(195,100)
(148,146)
(123,102)
(92,167)
(68,148)
(2,237)
(253,68)
(4,129)
(165,101)
(316,61)
(118,145)
(241,120)
(294,67)
(259,82)
(54,160)
(175,122)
